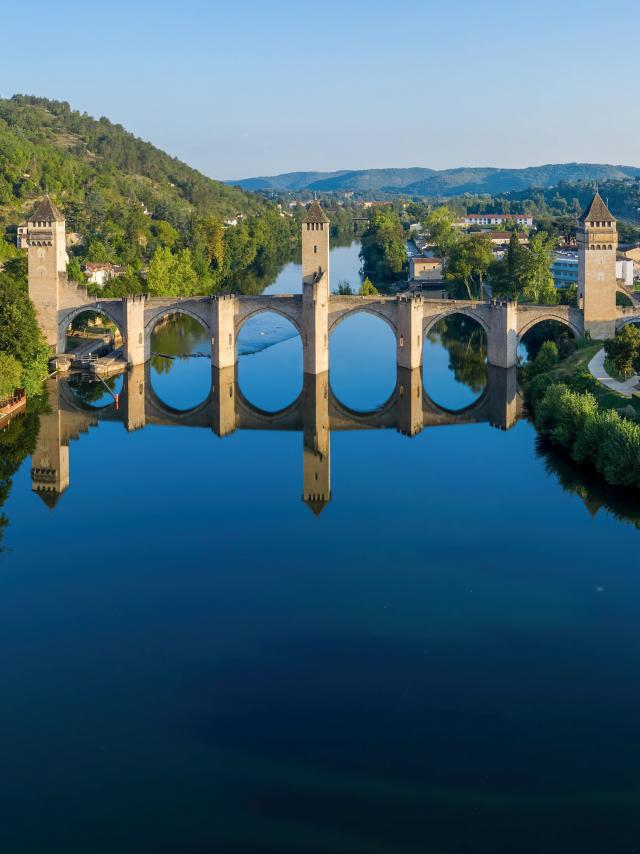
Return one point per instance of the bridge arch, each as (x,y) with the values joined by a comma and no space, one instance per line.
(432,320)
(268,309)
(545,316)
(339,317)
(626,320)
(173,311)
(455,346)
(112,311)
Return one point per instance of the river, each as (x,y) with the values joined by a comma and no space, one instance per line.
(442,660)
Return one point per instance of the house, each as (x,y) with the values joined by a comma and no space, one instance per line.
(502,238)
(498,219)
(99,272)
(423,269)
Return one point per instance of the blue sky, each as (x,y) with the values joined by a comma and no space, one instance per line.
(247,88)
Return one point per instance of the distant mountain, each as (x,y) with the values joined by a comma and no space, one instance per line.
(418,181)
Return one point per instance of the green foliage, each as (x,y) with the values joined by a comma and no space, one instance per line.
(569,417)
(344,289)
(624,350)
(525,271)
(439,230)
(17,442)
(467,264)
(74,271)
(466,343)
(383,246)
(10,375)
(20,334)
(546,359)
(367,288)
(128,199)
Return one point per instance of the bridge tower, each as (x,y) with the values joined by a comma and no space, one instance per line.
(597,245)
(316,460)
(50,459)
(315,290)
(43,234)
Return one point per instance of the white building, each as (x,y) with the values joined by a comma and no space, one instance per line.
(624,272)
(498,219)
(99,272)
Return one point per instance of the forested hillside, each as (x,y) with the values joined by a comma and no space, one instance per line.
(127,202)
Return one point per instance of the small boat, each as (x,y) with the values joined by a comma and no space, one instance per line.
(12,406)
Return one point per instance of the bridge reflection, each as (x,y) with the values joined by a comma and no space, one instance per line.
(316,414)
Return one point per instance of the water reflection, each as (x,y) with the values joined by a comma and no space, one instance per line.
(363,362)
(459,345)
(315,413)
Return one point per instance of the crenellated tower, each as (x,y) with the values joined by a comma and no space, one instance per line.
(315,290)
(597,245)
(43,235)
(50,459)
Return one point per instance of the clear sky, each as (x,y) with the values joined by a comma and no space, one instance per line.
(255,87)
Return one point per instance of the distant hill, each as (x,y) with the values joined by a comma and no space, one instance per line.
(418,181)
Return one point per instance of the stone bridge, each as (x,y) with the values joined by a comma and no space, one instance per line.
(316,312)
(409,317)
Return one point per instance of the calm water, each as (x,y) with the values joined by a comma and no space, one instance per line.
(445,660)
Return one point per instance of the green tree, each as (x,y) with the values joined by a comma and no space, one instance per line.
(439,230)
(344,289)
(467,265)
(507,274)
(367,288)
(10,375)
(383,245)
(624,349)
(20,334)
(160,281)
(537,280)
(74,271)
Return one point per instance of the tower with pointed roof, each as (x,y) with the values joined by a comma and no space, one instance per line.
(315,290)
(316,459)
(50,459)
(43,234)
(597,244)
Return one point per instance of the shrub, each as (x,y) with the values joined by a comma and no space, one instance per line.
(583,381)
(10,375)
(548,407)
(573,411)
(588,443)
(545,360)
(619,456)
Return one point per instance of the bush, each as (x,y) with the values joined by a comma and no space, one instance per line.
(546,359)
(619,456)
(591,439)
(583,381)
(573,412)
(10,375)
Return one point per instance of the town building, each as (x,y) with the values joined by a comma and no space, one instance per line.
(498,219)
(564,269)
(625,272)
(502,238)
(423,269)
(99,272)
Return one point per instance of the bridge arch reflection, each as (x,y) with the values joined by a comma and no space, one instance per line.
(316,413)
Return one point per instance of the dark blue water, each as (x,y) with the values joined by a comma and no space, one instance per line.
(445,660)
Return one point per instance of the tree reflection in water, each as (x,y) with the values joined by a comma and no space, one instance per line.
(587,484)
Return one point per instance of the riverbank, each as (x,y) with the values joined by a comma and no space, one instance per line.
(598,427)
